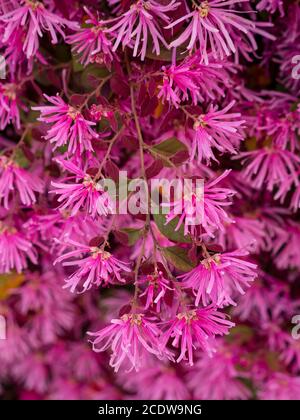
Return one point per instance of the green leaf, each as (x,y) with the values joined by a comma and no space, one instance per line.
(240,334)
(167,149)
(165,54)
(62,149)
(178,257)
(93,72)
(169,230)
(76,65)
(21,159)
(30,116)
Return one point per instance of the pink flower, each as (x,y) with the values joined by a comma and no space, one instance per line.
(255,304)
(99,111)
(65,389)
(213,24)
(295,201)
(83,361)
(156,289)
(15,346)
(34,19)
(214,200)
(15,249)
(276,338)
(33,371)
(216,129)
(129,337)
(290,355)
(53,230)
(285,248)
(157,382)
(133,26)
(7,5)
(276,121)
(98,267)
(218,277)
(271,6)
(270,167)
(281,386)
(50,323)
(9,110)
(244,232)
(42,292)
(206,210)
(218,377)
(84,192)
(13,53)
(69,126)
(191,79)
(193,329)
(267,300)
(15,179)
(288,185)
(91,42)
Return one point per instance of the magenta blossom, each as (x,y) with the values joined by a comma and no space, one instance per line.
(98,267)
(132,27)
(69,127)
(83,192)
(158,382)
(216,129)
(8,5)
(129,337)
(156,289)
(218,377)
(9,110)
(91,42)
(14,250)
(34,19)
(271,6)
(204,209)
(13,178)
(285,248)
(192,79)
(285,187)
(281,386)
(218,277)
(193,329)
(270,167)
(243,233)
(39,292)
(265,301)
(212,23)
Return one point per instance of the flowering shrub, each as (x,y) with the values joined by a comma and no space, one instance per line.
(103,297)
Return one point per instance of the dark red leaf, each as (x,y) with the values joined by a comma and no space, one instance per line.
(96,241)
(154,169)
(112,170)
(119,86)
